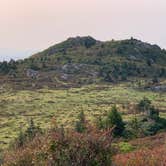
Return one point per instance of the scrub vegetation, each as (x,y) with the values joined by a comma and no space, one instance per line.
(85,102)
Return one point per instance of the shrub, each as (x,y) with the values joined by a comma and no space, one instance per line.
(144,105)
(149,110)
(65,147)
(114,119)
(27,135)
(100,123)
(155,80)
(144,126)
(148,157)
(32,130)
(150,128)
(81,123)
(153,113)
(134,128)
(125,147)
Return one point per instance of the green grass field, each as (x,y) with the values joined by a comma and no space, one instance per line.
(17,107)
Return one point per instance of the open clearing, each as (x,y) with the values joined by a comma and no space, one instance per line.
(17,107)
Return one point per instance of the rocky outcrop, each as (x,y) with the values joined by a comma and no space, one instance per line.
(161,88)
(32,74)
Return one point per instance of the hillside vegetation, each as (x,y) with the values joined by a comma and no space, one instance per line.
(17,107)
(84,60)
(101,144)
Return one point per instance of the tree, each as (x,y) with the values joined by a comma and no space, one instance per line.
(149,62)
(144,105)
(100,123)
(21,138)
(155,80)
(32,130)
(114,119)
(162,72)
(108,77)
(135,127)
(4,67)
(81,123)
(27,135)
(12,64)
(153,113)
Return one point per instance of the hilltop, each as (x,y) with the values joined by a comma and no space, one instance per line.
(85,60)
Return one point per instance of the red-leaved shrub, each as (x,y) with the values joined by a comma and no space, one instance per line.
(146,157)
(64,148)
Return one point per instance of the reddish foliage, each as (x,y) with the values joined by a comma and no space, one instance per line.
(146,157)
(92,147)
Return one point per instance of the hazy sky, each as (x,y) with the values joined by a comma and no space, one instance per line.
(27,26)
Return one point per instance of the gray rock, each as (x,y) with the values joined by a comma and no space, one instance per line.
(32,74)
(161,88)
(64,76)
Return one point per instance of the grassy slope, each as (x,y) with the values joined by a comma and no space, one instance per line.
(16,107)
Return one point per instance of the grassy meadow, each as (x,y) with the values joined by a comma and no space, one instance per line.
(17,107)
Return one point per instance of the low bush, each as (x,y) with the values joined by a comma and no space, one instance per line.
(142,157)
(64,147)
(125,147)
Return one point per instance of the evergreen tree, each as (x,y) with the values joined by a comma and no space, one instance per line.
(149,110)
(153,113)
(155,80)
(144,105)
(81,123)
(135,127)
(4,67)
(21,138)
(114,119)
(32,130)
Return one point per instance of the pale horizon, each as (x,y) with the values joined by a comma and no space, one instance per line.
(29,26)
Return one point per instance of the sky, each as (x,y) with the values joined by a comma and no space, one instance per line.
(29,26)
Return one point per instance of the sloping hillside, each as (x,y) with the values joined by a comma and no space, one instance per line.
(84,60)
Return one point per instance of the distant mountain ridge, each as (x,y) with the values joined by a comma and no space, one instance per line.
(84,60)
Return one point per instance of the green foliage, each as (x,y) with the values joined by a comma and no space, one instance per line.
(155,80)
(153,113)
(1,158)
(144,126)
(148,124)
(125,147)
(21,138)
(114,119)
(144,105)
(100,123)
(116,71)
(28,135)
(92,60)
(150,127)
(6,67)
(134,129)
(32,130)
(81,123)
